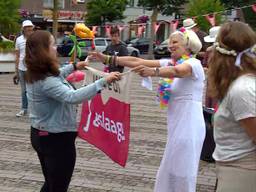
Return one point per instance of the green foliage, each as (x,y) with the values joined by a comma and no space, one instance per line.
(166,7)
(6,46)
(249,15)
(201,7)
(100,11)
(9,16)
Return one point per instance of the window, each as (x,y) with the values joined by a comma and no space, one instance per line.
(49,4)
(100,42)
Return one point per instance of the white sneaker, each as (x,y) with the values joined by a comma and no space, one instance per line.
(21,113)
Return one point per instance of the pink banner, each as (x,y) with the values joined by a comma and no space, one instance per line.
(107,30)
(101,125)
(121,28)
(140,30)
(156,26)
(174,24)
(254,8)
(94,29)
(211,19)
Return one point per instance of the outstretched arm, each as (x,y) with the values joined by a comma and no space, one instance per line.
(127,61)
(183,70)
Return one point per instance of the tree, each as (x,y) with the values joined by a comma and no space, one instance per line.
(166,7)
(9,16)
(100,11)
(201,7)
(55,18)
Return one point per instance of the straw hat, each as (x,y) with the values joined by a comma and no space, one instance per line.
(27,23)
(189,23)
(213,33)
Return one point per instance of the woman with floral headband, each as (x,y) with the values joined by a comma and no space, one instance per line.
(232,80)
(180,89)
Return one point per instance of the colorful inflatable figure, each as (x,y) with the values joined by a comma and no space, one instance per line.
(81,31)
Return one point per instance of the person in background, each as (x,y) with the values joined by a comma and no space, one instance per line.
(210,39)
(185,121)
(116,47)
(213,32)
(232,80)
(190,24)
(20,67)
(52,104)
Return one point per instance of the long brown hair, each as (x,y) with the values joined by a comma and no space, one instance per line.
(39,62)
(222,71)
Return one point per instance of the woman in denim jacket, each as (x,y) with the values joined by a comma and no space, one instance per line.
(52,105)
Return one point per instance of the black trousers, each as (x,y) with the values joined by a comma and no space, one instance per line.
(57,155)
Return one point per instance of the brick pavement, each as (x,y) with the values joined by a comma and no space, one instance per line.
(94,172)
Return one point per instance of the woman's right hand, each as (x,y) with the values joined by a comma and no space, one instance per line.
(98,56)
(113,76)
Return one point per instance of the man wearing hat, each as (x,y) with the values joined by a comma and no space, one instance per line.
(20,68)
(190,24)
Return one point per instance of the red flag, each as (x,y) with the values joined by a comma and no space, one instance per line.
(254,7)
(140,30)
(174,24)
(121,27)
(211,19)
(156,26)
(94,29)
(107,30)
(105,119)
(74,2)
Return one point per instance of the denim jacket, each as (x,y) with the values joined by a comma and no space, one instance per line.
(52,101)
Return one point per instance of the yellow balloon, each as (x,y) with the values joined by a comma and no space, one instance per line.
(82,31)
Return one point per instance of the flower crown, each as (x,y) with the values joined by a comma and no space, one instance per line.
(224,51)
(251,52)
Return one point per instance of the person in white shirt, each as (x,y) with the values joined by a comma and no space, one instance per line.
(232,80)
(20,69)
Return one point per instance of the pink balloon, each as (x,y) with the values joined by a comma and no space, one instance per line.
(76,76)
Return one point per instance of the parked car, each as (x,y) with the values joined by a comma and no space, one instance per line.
(162,51)
(142,44)
(100,44)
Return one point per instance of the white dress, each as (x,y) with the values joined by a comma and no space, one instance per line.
(186,133)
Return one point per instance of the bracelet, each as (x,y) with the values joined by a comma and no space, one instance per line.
(74,65)
(114,61)
(157,72)
(107,60)
(110,60)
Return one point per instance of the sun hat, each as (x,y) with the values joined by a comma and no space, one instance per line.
(213,32)
(27,23)
(189,23)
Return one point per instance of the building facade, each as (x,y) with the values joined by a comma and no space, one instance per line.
(40,13)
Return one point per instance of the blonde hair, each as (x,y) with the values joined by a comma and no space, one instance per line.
(190,39)
(233,37)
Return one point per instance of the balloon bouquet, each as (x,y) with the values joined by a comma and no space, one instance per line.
(81,31)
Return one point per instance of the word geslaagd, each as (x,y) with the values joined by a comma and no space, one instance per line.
(109,125)
(105,122)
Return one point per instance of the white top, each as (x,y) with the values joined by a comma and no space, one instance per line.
(186,132)
(232,142)
(20,46)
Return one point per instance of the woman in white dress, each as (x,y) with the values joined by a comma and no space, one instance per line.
(184,75)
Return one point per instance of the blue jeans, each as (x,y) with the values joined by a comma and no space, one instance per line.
(24,100)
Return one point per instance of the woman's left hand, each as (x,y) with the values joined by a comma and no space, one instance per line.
(144,71)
